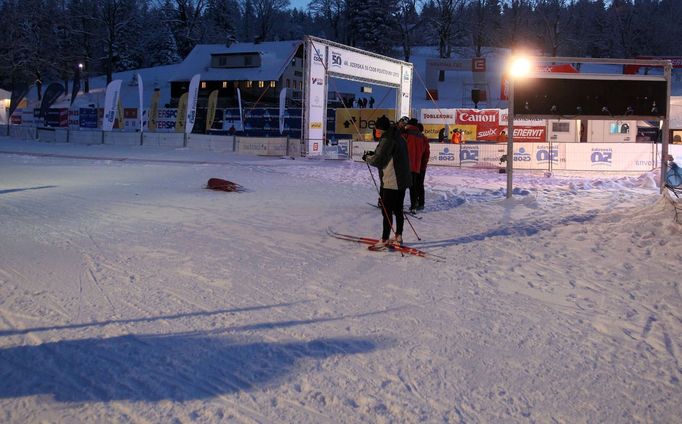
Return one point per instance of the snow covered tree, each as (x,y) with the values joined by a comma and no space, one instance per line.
(266,13)
(220,18)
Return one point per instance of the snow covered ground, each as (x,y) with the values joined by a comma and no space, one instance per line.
(130,294)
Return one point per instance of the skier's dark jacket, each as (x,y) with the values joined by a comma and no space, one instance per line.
(392,159)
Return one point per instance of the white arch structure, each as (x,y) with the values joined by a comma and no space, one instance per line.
(324,59)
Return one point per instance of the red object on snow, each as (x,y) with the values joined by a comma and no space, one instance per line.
(223,185)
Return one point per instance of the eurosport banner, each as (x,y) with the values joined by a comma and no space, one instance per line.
(111,104)
(316,97)
(192,103)
(120,114)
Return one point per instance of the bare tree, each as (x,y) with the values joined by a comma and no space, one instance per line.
(407,21)
(265,12)
(550,14)
(331,11)
(447,23)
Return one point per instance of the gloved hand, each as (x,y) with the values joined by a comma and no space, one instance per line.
(366,155)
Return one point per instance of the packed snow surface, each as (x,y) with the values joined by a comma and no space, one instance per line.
(128,293)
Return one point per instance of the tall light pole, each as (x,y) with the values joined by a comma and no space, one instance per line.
(518,68)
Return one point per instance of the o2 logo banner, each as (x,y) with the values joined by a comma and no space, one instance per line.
(601,157)
(544,155)
(468,155)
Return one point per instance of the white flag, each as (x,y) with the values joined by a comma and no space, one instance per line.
(239,100)
(111,104)
(192,103)
(140,109)
(282,107)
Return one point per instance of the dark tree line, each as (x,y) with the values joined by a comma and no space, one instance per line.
(47,39)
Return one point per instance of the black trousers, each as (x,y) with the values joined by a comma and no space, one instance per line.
(417,190)
(392,205)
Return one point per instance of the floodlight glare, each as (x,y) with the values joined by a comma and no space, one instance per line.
(520,67)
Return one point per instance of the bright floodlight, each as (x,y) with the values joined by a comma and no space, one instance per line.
(80,66)
(520,67)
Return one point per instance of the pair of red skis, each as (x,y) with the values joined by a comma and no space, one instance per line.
(392,247)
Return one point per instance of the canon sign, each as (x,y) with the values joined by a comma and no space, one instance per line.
(476,117)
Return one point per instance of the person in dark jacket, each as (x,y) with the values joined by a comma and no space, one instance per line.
(415,150)
(392,159)
(422,169)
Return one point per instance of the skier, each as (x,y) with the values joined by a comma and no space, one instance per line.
(422,170)
(392,159)
(415,149)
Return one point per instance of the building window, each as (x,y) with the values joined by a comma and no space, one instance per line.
(224,84)
(300,85)
(261,84)
(249,84)
(203,84)
(561,127)
(288,83)
(273,84)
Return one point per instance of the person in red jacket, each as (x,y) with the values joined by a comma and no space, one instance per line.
(415,150)
(422,170)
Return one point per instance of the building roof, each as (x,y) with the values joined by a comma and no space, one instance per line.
(275,56)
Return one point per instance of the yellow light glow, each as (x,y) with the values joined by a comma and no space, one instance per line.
(6,103)
(520,67)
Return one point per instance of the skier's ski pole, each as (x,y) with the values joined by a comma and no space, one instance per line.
(411,226)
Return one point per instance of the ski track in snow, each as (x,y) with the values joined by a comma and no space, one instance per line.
(129,294)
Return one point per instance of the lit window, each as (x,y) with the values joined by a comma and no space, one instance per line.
(288,83)
(273,84)
(249,84)
(224,84)
(203,84)
(261,84)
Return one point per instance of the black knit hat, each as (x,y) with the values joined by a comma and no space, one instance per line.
(413,121)
(382,123)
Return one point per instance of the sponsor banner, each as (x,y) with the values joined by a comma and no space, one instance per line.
(609,156)
(406,91)
(522,133)
(140,105)
(353,64)
(360,122)
(181,116)
(447,64)
(432,131)
(87,117)
(154,110)
(486,121)
(192,97)
(211,107)
(110,104)
(166,119)
(15,119)
(120,117)
(52,93)
(437,116)
(469,155)
(504,119)
(28,116)
(130,119)
(469,132)
(316,97)
(57,118)
(73,118)
(282,108)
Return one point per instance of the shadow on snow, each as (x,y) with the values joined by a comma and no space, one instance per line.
(152,367)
